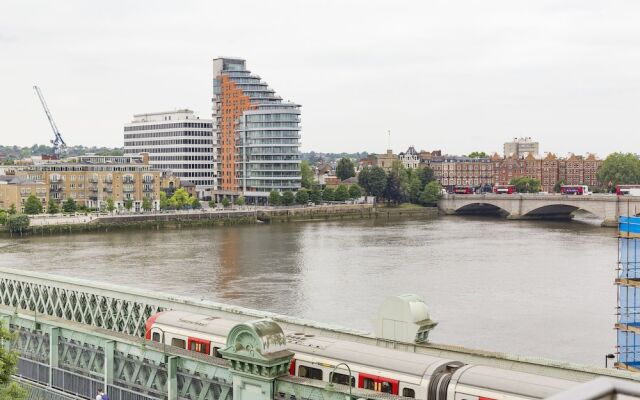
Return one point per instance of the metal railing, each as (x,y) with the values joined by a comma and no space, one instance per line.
(33,370)
(75,384)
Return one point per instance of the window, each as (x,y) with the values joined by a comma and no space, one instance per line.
(199,347)
(368,383)
(155,336)
(342,379)
(178,343)
(408,392)
(216,353)
(385,387)
(309,372)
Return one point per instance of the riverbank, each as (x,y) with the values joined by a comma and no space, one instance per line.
(216,218)
(342,212)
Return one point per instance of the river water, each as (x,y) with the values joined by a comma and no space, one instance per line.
(527,287)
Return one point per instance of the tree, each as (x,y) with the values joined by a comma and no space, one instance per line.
(274,198)
(377,182)
(3,217)
(363,179)
(32,206)
(111,205)
(524,184)
(425,174)
(558,186)
(226,202)
(180,199)
(302,196)
(341,193)
(69,206)
(52,207)
(212,203)
(345,169)
(287,198)
(315,195)
(164,201)
(12,210)
(194,202)
(414,188)
(240,201)
(478,154)
(431,194)
(307,174)
(393,191)
(355,191)
(128,204)
(619,169)
(9,390)
(328,194)
(146,204)
(17,223)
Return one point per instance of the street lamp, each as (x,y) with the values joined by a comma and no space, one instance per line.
(607,358)
(330,386)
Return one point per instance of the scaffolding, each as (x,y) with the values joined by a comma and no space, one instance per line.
(628,282)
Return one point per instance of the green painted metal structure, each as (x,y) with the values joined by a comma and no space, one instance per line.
(109,311)
(59,360)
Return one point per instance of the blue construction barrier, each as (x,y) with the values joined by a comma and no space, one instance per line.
(629,292)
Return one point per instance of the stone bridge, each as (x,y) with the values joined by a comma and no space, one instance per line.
(605,207)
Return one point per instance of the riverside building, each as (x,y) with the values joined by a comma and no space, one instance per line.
(177,141)
(89,180)
(257,135)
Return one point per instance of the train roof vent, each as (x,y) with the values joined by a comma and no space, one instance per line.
(404,318)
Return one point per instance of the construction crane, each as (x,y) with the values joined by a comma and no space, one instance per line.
(58,143)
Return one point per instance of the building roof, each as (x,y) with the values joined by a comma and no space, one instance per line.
(18,180)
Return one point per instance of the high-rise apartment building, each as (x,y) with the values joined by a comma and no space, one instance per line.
(177,141)
(521,147)
(257,135)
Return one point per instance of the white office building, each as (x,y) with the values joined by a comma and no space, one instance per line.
(176,141)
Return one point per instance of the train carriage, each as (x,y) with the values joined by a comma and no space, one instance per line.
(374,368)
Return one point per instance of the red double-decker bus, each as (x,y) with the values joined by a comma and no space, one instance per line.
(575,189)
(628,190)
(504,189)
(464,190)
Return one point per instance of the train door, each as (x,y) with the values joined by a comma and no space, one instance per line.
(378,383)
(198,345)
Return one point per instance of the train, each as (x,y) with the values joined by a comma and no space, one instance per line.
(395,372)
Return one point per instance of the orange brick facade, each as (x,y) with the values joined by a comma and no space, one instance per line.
(233,102)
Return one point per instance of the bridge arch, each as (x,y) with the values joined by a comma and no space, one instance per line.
(482,208)
(560,210)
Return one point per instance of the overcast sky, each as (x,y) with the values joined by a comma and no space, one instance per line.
(452,75)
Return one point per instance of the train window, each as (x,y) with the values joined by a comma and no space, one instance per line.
(342,379)
(178,343)
(309,372)
(199,347)
(155,336)
(368,383)
(385,387)
(408,392)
